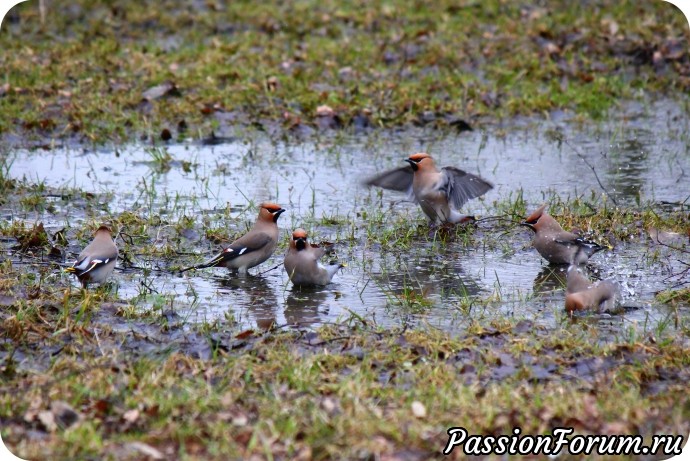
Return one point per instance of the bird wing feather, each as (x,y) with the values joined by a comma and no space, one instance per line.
(461,186)
(399,179)
(569,238)
(86,265)
(242,246)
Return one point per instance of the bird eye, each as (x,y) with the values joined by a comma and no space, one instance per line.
(272,208)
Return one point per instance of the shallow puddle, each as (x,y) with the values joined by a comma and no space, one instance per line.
(639,157)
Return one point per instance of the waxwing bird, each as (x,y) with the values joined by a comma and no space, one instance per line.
(440,193)
(556,245)
(254,247)
(96,262)
(581,294)
(575,281)
(302,262)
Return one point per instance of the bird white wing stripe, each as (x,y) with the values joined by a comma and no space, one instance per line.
(83,264)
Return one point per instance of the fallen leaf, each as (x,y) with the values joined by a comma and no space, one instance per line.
(47,419)
(418,409)
(33,238)
(245,334)
(164,89)
(131,415)
(272,83)
(146,450)
(240,420)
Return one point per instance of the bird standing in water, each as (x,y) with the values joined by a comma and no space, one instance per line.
(302,262)
(556,245)
(254,247)
(440,193)
(97,261)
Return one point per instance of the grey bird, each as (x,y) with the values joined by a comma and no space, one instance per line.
(302,262)
(97,261)
(440,193)
(581,294)
(254,247)
(556,245)
(575,281)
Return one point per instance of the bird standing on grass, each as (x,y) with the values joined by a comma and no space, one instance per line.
(581,294)
(97,261)
(556,245)
(254,247)
(302,262)
(440,193)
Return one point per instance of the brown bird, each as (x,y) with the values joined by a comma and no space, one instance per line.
(302,262)
(575,281)
(440,193)
(581,294)
(556,245)
(254,247)
(97,261)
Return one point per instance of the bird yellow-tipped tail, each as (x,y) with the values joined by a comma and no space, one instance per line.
(212,263)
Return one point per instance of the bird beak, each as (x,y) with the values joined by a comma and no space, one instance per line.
(277,214)
(526,224)
(412,163)
(300,243)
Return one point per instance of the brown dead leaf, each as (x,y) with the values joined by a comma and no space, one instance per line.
(100,407)
(46,124)
(33,238)
(245,334)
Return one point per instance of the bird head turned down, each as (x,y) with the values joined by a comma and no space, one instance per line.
(532,220)
(299,238)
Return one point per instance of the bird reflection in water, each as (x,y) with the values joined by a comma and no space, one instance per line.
(255,294)
(304,306)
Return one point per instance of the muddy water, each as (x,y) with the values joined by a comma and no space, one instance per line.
(640,156)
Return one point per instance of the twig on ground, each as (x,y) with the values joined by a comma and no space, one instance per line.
(582,157)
